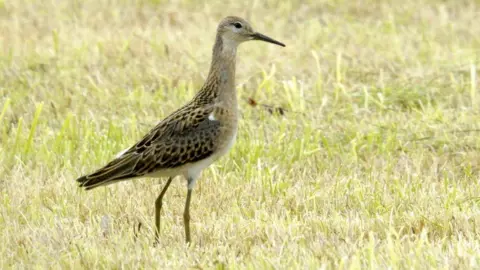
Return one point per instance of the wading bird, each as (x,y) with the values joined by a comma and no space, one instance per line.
(194,136)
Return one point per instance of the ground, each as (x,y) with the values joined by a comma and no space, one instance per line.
(374,162)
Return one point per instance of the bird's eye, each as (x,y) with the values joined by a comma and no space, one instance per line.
(237,25)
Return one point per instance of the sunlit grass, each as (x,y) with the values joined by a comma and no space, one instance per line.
(373,165)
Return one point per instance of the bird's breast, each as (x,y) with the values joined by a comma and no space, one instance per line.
(228,128)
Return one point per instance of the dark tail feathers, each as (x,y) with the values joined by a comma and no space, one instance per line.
(118,169)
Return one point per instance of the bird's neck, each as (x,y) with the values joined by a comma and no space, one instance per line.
(219,86)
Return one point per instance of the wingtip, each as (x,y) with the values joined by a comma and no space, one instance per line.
(87,182)
(81,181)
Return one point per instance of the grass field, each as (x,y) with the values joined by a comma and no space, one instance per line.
(375,163)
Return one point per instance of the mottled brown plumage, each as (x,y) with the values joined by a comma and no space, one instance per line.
(194,136)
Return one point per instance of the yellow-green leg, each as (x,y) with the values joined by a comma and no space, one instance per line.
(158,208)
(186,216)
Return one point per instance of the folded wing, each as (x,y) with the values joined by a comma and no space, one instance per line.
(184,137)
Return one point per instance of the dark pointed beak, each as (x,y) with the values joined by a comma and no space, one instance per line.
(258,36)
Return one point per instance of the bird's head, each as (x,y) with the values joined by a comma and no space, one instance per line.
(234,30)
